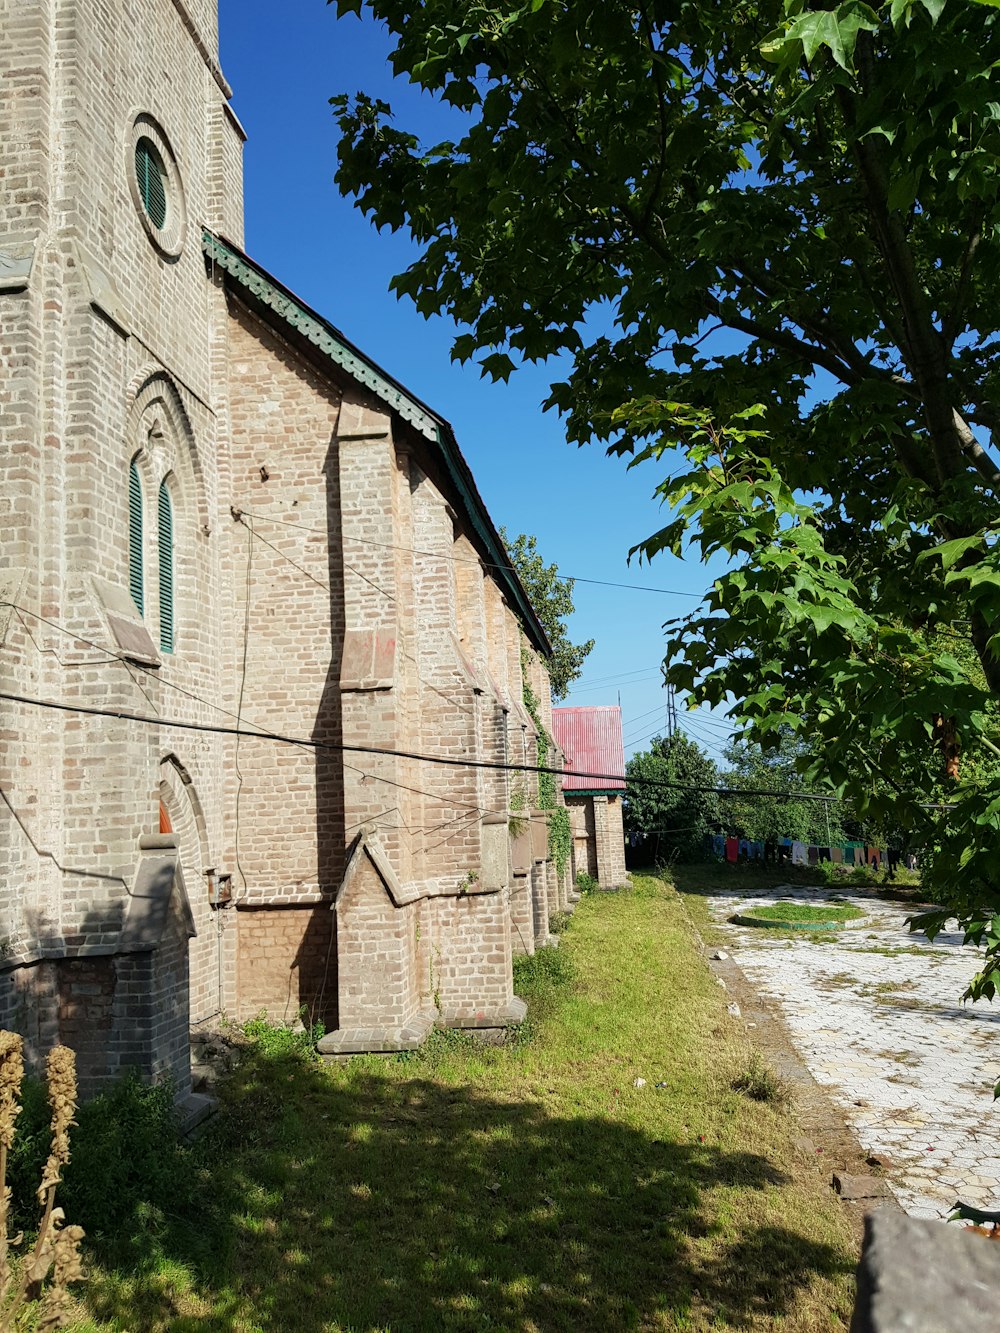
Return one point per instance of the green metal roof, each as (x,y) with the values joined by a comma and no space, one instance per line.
(271,299)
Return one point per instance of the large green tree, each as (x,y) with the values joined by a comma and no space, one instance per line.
(681,811)
(762,236)
(552,598)
(754,769)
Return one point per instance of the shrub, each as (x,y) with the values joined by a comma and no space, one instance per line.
(586,883)
(759,1082)
(538,979)
(276,1040)
(130,1176)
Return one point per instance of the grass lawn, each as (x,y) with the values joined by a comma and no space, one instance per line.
(528,1188)
(820,912)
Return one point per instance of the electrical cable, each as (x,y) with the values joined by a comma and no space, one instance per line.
(446,761)
(633,722)
(589,689)
(418,791)
(46,855)
(614,679)
(475,560)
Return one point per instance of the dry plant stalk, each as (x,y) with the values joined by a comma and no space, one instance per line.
(57,1247)
(11,1076)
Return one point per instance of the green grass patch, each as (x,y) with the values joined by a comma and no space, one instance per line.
(527,1188)
(820,913)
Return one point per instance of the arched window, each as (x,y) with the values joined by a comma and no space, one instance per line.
(135,536)
(166,551)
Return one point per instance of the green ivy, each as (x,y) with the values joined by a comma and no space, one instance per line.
(545,745)
(560,837)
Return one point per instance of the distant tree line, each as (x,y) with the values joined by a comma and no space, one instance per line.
(685,815)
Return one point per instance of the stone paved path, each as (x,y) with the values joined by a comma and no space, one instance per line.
(876,1017)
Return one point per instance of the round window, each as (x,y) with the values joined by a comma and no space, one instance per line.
(155,185)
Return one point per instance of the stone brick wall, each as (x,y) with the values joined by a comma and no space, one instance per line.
(286,586)
(598,837)
(86,993)
(312,527)
(288,964)
(581,814)
(107,355)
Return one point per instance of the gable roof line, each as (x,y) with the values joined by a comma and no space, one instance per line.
(275,298)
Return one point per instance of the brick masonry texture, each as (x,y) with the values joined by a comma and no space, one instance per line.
(598,837)
(324,588)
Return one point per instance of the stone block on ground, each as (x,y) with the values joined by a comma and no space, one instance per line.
(193,1110)
(860,1187)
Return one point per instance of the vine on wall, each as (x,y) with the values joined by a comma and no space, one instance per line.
(560,837)
(560,833)
(544,743)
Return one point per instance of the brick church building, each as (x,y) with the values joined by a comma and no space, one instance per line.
(218,517)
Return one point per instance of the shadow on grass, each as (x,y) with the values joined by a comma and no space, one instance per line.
(358,1200)
(708,879)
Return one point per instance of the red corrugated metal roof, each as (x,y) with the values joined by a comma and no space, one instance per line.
(591,739)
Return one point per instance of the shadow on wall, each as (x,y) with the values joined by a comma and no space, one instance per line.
(318,983)
(119,1009)
(363,1202)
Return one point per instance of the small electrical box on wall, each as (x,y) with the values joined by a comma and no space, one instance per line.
(220,888)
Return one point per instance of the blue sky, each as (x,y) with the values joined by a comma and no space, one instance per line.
(586,510)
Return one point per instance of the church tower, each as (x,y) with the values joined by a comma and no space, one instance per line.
(119,151)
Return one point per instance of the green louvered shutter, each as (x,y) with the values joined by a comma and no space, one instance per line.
(135,536)
(166,570)
(150,175)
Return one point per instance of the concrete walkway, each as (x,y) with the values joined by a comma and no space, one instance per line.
(875,1015)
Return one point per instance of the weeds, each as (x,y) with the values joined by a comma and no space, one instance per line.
(540,979)
(131,1179)
(480,1187)
(586,883)
(279,1039)
(759,1082)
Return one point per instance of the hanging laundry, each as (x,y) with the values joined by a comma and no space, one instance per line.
(837,853)
(800,856)
(744,848)
(813,854)
(823,853)
(719,844)
(732,849)
(757,851)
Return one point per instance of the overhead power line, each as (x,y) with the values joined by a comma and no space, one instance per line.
(443,760)
(471,560)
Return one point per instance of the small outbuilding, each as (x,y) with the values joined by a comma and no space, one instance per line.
(591,739)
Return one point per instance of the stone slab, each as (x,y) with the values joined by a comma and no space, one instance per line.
(363,1041)
(860,1187)
(193,1110)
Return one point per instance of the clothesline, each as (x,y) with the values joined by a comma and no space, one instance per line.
(801,853)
